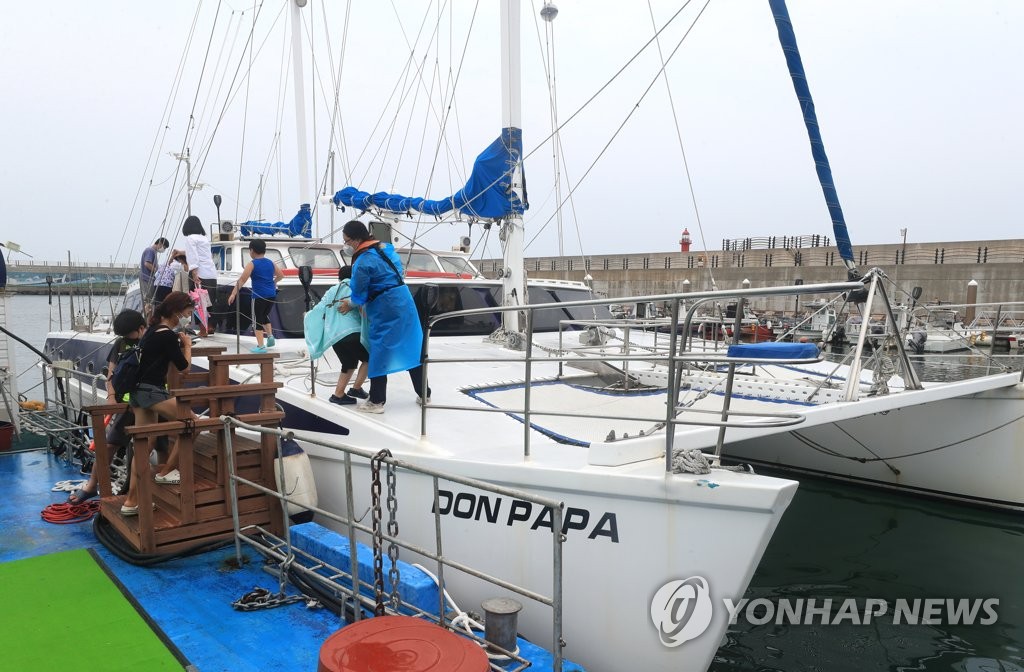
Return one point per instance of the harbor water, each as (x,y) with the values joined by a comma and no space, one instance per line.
(836,542)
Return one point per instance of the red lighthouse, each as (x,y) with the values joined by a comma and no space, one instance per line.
(684,242)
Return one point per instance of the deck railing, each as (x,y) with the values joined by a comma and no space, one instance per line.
(346,581)
(678,353)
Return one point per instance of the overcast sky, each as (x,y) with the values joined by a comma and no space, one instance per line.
(919,101)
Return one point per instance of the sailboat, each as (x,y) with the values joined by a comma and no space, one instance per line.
(534,387)
(518,401)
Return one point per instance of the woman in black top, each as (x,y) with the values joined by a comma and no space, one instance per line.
(161,347)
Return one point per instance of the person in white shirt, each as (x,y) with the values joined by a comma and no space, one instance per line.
(200,264)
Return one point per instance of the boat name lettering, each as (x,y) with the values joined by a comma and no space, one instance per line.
(488,509)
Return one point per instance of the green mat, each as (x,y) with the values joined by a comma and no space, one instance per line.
(62,611)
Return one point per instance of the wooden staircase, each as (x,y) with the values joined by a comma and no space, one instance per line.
(198,510)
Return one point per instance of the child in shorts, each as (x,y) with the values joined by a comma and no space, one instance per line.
(265,276)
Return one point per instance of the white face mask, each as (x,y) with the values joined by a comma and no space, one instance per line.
(184,321)
(348,250)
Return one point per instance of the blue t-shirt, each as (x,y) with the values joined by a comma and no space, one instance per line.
(263,278)
(148,254)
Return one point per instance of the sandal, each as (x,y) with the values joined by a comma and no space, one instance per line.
(81,496)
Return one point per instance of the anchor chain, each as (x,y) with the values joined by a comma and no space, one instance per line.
(393,575)
(378,537)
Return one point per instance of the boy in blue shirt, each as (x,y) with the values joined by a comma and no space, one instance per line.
(265,276)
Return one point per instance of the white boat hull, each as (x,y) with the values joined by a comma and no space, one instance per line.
(962,441)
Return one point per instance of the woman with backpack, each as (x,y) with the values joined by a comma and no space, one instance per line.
(160,346)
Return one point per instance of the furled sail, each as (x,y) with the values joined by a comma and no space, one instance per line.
(787,38)
(488,193)
(300,226)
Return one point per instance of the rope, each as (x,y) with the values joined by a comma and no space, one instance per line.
(261,598)
(691,461)
(66,513)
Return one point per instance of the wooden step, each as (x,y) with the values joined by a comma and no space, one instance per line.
(170,536)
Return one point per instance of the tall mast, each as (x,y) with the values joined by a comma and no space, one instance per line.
(300,101)
(512,233)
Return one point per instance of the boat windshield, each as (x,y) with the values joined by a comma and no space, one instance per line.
(459,265)
(317,257)
(290,308)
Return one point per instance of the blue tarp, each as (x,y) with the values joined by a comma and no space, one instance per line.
(300,226)
(487,194)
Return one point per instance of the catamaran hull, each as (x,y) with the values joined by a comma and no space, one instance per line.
(962,441)
(665,530)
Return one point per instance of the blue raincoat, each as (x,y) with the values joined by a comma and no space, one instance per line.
(325,325)
(395,335)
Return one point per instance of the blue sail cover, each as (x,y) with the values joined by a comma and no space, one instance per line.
(787,38)
(301,226)
(487,194)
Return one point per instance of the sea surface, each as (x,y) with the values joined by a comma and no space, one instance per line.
(835,542)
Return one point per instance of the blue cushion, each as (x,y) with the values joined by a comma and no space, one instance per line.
(773,350)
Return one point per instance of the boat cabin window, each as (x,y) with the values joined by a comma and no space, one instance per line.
(317,257)
(459,265)
(221,257)
(276,257)
(289,308)
(418,261)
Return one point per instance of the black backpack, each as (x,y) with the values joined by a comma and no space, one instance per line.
(125,378)
(127,368)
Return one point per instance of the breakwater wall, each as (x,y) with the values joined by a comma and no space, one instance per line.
(942,270)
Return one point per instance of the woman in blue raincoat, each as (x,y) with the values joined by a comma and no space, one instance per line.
(395,334)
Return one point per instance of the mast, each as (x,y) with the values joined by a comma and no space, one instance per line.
(787,39)
(300,101)
(512,232)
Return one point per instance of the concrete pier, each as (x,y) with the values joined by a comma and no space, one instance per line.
(942,270)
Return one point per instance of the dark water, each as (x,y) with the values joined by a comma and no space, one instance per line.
(838,541)
(948,366)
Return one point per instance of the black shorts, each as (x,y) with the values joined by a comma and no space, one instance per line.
(261,310)
(161,294)
(116,435)
(350,351)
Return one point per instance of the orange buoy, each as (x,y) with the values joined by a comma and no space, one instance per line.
(399,644)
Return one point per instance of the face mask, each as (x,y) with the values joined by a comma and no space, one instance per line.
(184,321)
(348,250)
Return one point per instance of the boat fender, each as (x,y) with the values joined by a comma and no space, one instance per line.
(298,483)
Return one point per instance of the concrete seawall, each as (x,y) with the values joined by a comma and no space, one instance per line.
(942,270)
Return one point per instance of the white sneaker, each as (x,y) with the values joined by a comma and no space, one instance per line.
(370,407)
(171,477)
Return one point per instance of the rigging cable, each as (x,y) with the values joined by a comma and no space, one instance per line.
(618,130)
(679,137)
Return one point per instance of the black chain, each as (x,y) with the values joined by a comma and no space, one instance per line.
(378,540)
(393,533)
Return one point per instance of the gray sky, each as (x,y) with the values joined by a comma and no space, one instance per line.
(920,105)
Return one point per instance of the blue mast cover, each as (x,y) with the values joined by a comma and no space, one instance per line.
(300,226)
(787,38)
(487,194)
